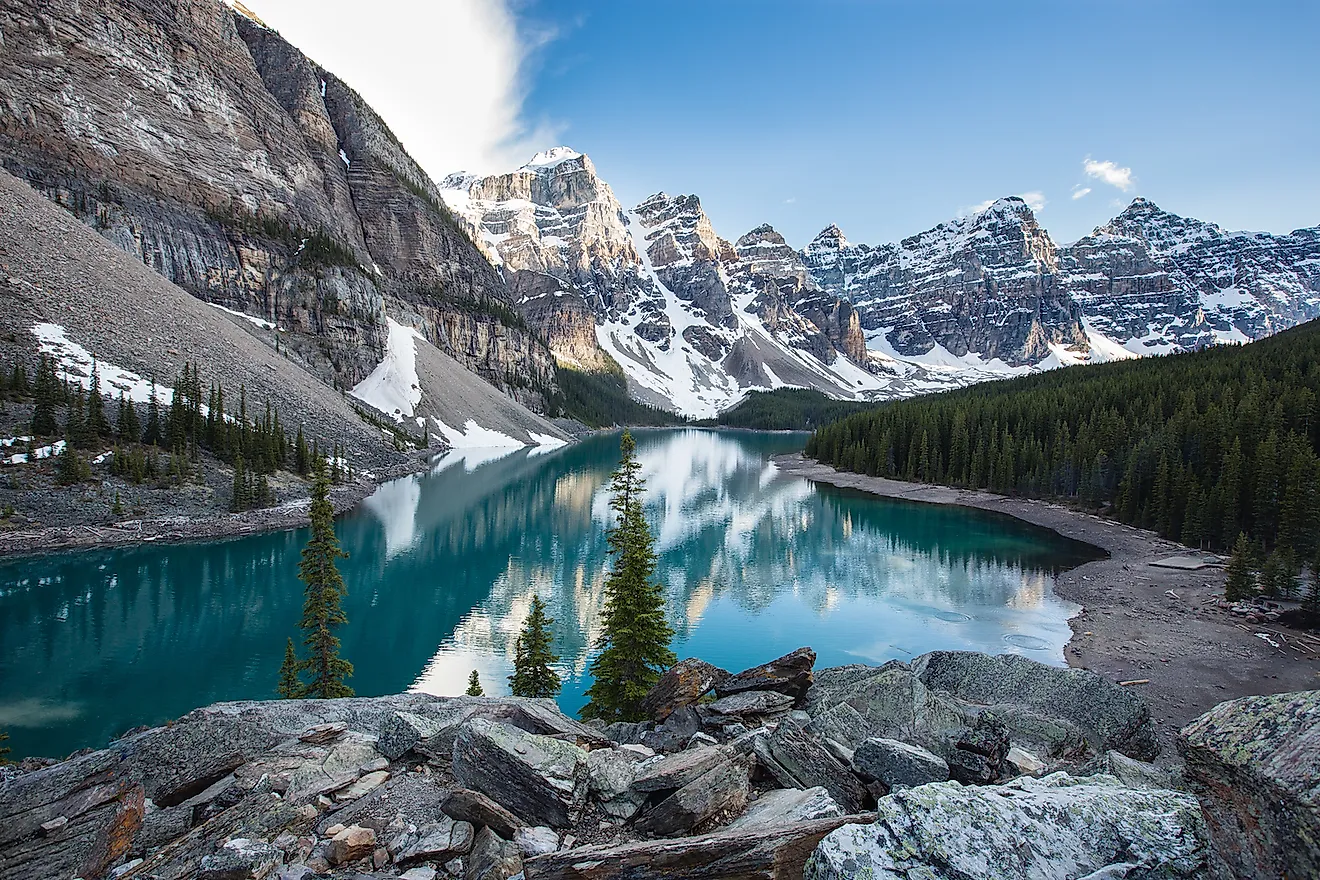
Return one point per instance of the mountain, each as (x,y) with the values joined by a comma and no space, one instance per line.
(207,147)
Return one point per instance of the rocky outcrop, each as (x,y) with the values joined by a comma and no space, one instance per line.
(537,778)
(790,675)
(897,764)
(204,144)
(1254,762)
(1053,827)
(682,685)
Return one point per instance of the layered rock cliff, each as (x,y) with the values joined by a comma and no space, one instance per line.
(199,140)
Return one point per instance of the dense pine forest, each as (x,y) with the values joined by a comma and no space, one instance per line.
(1199,447)
(787,409)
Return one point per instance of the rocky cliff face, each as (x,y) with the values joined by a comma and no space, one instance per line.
(1158,282)
(202,142)
(693,320)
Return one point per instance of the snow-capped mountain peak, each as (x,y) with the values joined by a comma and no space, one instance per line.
(552,157)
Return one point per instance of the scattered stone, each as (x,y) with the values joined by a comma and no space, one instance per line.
(438,842)
(294,872)
(701,739)
(706,801)
(380,858)
(752,703)
(474,807)
(1026,763)
(1254,763)
(320,734)
(421,872)
(842,724)
(1139,774)
(898,764)
(536,841)
(240,859)
(611,773)
(352,844)
(787,805)
(539,778)
(335,829)
(492,858)
(54,826)
(682,685)
(807,764)
(1029,828)
(123,869)
(362,786)
(790,674)
(404,730)
(676,771)
(980,754)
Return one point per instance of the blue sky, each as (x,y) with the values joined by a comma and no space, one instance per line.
(883,116)
(890,117)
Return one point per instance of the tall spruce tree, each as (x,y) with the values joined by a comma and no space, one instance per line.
(289,688)
(533,656)
(152,434)
(474,686)
(635,636)
(97,425)
(47,395)
(323,610)
(1241,582)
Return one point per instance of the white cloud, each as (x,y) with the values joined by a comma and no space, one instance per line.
(1080,192)
(1035,200)
(1108,172)
(448,76)
(790,200)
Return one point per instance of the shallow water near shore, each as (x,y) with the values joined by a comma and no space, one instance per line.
(443,566)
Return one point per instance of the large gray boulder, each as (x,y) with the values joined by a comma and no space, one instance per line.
(714,797)
(797,760)
(1028,829)
(682,685)
(898,764)
(538,778)
(784,806)
(1254,762)
(611,774)
(1111,716)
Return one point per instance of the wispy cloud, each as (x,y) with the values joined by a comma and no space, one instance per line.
(1035,200)
(1079,192)
(449,78)
(790,200)
(1109,172)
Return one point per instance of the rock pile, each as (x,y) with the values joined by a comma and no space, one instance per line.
(884,771)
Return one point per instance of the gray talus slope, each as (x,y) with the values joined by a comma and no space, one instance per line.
(57,270)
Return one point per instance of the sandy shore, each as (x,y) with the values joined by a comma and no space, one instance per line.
(1138,620)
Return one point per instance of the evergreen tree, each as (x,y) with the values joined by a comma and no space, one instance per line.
(635,636)
(152,434)
(323,609)
(127,429)
(534,657)
(289,688)
(46,394)
(97,426)
(1241,582)
(474,686)
(118,508)
(71,469)
(1273,574)
(302,455)
(241,499)
(1311,603)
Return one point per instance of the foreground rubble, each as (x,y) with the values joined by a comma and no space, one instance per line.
(904,769)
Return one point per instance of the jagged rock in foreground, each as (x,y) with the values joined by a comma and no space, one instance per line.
(1058,826)
(1255,764)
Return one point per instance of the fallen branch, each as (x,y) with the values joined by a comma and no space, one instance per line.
(1133,681)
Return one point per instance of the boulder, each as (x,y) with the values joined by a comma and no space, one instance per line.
(611,774)
(536,841)
(539,778)
(675,771)
(1029,828)
(682,685)
(790,674)
(980,753)
(712,798)
(240,859)
(467,805)
(438,842)
(364,785)
(797,760)
(842,724)
(751,703)
(1112,717)
(492,858)
(785,806)
(402,731)
(1137,774)
(898,764)
(1254,763)
(1026,763)
(350,845)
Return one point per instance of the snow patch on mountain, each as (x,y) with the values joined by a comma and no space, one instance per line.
(393,387)
(74,364)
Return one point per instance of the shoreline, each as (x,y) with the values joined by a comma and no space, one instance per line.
(26,543)
(1138,621)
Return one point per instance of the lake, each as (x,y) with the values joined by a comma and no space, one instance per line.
(443,566)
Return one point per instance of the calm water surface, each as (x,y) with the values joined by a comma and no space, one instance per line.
(443,567)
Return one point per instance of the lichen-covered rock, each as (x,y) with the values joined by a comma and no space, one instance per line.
(752,703)
(898,764)
(676,771)
(1254,762)
(790,674)
(715,796)
(538,778)
(797,760)
(1028,829)
(438,842)
(682,685)
(611,773)
(492,858)
(471,806)
(786,805)
(240,859)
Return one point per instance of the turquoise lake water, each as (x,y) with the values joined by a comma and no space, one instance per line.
(443,567)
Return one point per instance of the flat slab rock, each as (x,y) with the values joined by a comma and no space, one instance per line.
(538,778)
(1254,762)
(1058,826)
(681,685)
(790,674)
(751,703)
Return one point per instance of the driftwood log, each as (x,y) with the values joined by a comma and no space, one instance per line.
(761,852)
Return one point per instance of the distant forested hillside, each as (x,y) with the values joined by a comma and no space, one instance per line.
(600,400)
(787,409)
(1198,447)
